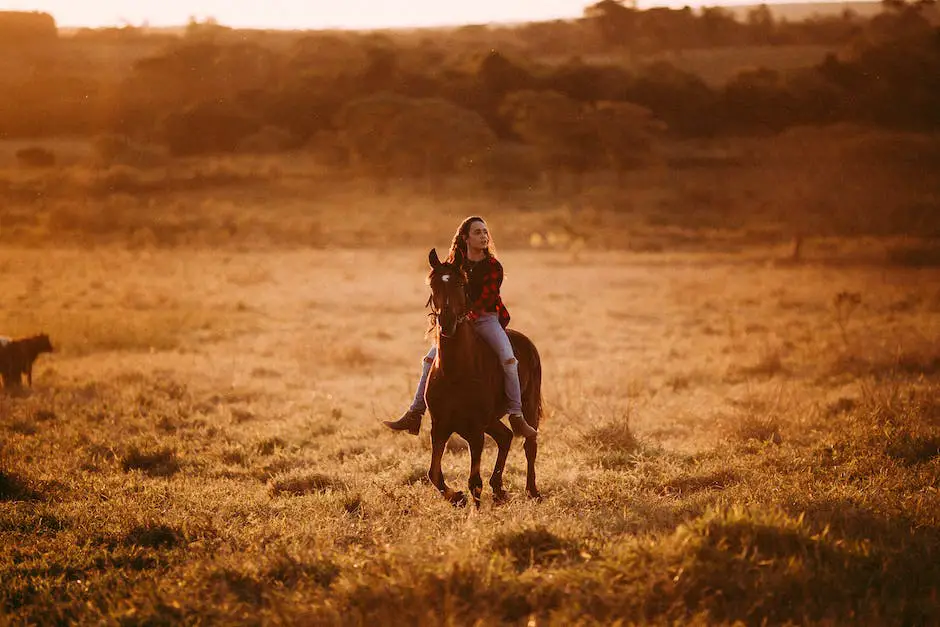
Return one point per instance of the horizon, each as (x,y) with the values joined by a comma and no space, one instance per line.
(352,15)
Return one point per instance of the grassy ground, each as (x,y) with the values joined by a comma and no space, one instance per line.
(725,440)
(722,196)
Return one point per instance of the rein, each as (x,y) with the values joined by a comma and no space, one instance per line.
(460,320)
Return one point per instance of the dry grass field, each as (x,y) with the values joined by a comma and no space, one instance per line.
(725,440)
(739,328)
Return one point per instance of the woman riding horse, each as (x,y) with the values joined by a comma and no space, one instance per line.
(474,245)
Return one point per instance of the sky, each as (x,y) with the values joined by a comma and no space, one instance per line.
(308,14)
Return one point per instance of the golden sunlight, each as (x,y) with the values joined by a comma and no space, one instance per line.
(706,299)
(300,14)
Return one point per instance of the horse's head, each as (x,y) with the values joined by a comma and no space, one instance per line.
(43,343)
(448,300)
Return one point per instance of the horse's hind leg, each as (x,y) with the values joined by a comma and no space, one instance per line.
(503,436)
(435,474)
(531,447)
(475,483)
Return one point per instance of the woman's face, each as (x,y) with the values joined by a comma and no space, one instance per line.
(478,237)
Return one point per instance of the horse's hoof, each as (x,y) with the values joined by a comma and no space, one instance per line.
(500,497)
(535,495)
(459,499)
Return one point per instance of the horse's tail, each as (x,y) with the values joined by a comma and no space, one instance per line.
(530,373)
(532,402)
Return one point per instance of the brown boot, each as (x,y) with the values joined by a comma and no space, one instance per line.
(521,427)
(410,421)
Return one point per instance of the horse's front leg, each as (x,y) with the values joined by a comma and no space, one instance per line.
(503,436)
(439,439)
(475,482)
(531,447)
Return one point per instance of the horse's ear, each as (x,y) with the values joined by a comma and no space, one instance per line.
(433,259)
(458,257)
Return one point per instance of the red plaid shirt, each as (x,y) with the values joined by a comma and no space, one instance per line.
(484,279)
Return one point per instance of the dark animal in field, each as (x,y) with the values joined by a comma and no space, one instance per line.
(17,358)
(465,392)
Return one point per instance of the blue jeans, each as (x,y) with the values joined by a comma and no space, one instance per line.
(487,326)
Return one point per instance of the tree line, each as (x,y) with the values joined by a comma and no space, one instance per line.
(416,106)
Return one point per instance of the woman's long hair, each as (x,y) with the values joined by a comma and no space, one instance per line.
(460,239)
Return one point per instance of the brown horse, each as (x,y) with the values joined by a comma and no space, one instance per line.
(17,358)
(465,387)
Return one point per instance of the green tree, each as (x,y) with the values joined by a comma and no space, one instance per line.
(589,82)
(423,139)
(194,72)
(626,134)
(720,27)
(435,138)
(680,99)
(27,27)
(362,125)
(617,21)
(757,101)
(208,127)
(507,166)
(762,25)
(561,129)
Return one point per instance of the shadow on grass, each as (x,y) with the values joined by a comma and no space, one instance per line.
(767,567)
(154,536)
(160,462)
(305,483)
(15,488)
(534,547)
(690,484)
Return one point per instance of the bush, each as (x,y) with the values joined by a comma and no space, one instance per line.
(508,166)
(35,157)
(267,140)
(111,150)
(922,255)
(209,127)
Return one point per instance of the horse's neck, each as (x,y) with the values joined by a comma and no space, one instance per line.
(457,353)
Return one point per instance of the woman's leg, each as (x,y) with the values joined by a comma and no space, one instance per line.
(417,403)
(488,327)
(411,419)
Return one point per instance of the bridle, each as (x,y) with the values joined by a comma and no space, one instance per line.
(437,314)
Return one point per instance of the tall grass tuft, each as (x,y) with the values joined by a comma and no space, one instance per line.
(612,443)
(304,483)
(153,536)
(759,428)
(159,462)
(911,448)
(536,546)
(15,488)
(291,571)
